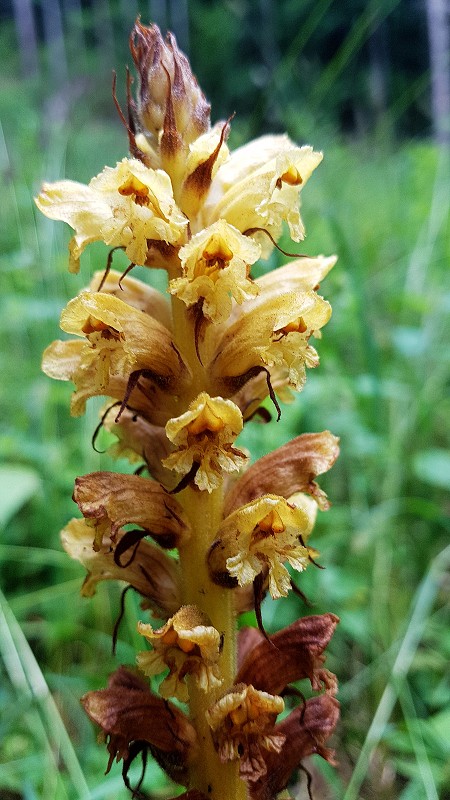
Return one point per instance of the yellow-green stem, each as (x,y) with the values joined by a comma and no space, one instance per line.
(216,780)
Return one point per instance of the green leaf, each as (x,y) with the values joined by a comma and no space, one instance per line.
(17,485)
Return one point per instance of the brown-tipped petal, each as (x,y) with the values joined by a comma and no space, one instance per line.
(307,730)
(294,653)
(111,500)
(289,469)
(145,566)
(128,712)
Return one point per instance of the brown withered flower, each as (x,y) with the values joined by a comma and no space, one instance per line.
(199,533)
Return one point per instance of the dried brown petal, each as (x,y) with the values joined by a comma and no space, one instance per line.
(294,653)
(148,569)
(289,469)
(128,712)
(111,500)
(306,729)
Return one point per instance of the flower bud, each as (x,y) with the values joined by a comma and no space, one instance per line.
(171,108)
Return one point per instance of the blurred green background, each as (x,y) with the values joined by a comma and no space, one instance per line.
(369,83)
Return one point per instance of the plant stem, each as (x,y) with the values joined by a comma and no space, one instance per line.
(218,781)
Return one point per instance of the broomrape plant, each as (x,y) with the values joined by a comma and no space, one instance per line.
(182,378)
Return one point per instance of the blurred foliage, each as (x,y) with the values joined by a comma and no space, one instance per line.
(383,206)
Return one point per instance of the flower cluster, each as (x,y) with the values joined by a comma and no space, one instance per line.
(199,533)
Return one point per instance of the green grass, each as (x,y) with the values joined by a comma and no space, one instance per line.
(384,208)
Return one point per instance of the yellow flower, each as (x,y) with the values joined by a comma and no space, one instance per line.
(125,206)
(120,341)
(242,723)
(270,333)
(261,536)
(203,436)
(216,264)
(189,645)
(259,187)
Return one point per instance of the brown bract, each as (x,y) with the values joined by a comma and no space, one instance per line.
(111,500)
(289,469)
(128,712)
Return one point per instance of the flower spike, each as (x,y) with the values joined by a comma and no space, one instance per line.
(198,531)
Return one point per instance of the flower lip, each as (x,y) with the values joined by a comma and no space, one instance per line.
(216,265)
(262,535)
(242,723)
(188,645)
(203,438)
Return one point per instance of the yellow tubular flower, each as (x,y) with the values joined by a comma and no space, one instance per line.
(242,723)
(203,436)
(124,206)
(188,645)
(263,535)
(216,264)
(270,334)
(119,340)
(259,187)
